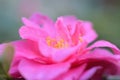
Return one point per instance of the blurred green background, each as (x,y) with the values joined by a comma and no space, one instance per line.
(105,15)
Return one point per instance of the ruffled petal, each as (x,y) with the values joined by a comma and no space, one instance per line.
(57,55)
(44,22)
(102,57)
(103,43)
(73,74)
(65,53)
(65,25)
(40,22)
(83,32)
(61,30)
(31,70)
(45,50)
(68,20)
(98,53)
(23,49)
(31,33)
(29,23)
(90,34)
(62,54)
(79,33)
(89,73)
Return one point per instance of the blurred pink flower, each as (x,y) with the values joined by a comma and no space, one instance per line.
(59,51)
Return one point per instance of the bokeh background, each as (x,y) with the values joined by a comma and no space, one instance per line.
(105,15)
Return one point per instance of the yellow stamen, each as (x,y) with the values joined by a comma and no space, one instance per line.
(48,40)
(80,39)
(56,43)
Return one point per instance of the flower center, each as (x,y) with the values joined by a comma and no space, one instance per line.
(80,39)
(56,43)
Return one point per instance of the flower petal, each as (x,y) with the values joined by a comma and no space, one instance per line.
(39,21)
(98,53)
(23,49)
(68,19)
(56,55)
(65,53)
(73,73)
(61,30)
(29,23)
(45,50)
(90,33)
(31,70)
(103,43)
(32,33)
(83,32)
(102,57)
(45,23)
(59,55)
(69,23)
(89,73)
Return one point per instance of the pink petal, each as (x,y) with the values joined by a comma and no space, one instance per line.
(65,53)
(32,33)
(84,30)
(57,55)
(72,74)
(29,23)
(23,49)
(79,32)
(68,19)
(89,73)
(61,30)
(90,34)
(65,26)
(45,50)
(38,21)
(102,57)
(45,23)
(103,43)
(97,54)
(69,23)
(26,48)
(31,70)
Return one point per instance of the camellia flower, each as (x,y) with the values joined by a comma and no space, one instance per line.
(60,51)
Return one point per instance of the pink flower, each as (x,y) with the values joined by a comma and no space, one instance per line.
(59,51)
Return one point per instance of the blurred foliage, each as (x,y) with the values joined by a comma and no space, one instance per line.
(5,61)
(105,15)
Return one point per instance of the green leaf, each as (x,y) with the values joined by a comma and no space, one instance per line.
(6,59)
